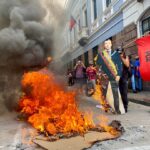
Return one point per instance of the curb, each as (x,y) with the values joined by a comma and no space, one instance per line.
(139,102)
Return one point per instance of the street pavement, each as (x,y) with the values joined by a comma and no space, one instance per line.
(136,123)
(15,135)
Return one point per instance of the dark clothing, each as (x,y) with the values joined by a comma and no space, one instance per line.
(125,73)
(70,78)
(115,57)
(114,86)
(123,86)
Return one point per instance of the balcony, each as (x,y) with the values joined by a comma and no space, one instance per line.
(107,13)
(95,25)
(83,36)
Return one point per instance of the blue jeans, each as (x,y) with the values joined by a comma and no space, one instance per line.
(138,83)
(133,82)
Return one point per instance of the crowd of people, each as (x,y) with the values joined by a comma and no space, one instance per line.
(118,68)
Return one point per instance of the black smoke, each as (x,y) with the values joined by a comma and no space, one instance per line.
(28,34)
(25,39)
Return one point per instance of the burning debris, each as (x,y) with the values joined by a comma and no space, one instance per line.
(54,112)
(49,108)
(98,96)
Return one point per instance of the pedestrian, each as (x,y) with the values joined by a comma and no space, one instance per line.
(132,63)
(138,79)
(79,73)
(91,78)
(125,75)
(70,77)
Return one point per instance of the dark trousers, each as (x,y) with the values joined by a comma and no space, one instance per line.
(114,86)
(123,87)
(70,81)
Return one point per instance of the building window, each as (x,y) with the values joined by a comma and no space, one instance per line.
(108,2)
(85,18)
(145,25)
(79,25)
(94,10)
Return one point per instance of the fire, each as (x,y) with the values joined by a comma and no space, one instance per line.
(104,121)
(52,110)
(98,96)
(49,108)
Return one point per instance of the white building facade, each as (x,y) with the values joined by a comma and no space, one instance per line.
(96,20)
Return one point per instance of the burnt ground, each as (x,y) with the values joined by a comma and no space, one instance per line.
(15,134)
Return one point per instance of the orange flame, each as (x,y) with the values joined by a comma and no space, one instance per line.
(49,108)
(104,121)
(98,96)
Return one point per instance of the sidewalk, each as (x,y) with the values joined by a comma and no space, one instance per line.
(140,97)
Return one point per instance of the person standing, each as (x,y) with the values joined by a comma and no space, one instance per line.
(132,64)
(123,82)
(91,78)
(79,73)
(138,79)
(70,77)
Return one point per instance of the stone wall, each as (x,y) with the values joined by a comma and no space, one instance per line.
(127,38)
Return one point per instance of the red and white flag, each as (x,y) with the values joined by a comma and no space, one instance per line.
(144,57)
(72,23)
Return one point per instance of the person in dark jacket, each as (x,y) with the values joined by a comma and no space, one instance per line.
(123,82)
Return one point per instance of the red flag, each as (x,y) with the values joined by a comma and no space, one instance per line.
(144,57)
(72,22)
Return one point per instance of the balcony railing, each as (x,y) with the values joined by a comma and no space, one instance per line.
(107,13)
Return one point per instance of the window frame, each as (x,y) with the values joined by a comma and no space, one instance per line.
(108,2)
(85,18)
(94,13)
(142,24)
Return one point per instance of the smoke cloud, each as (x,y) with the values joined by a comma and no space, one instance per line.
(28,34)
(25,39)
